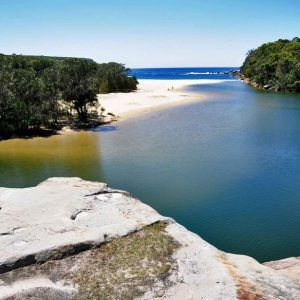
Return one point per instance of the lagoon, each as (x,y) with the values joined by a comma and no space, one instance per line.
(227,168)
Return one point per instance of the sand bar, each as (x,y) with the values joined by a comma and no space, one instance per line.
(151,95)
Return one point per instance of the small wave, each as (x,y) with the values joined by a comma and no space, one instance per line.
(201,73)
(197,73)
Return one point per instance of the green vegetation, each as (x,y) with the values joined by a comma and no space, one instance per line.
(275,65)
(127,267)
(113,80)
(80,84)
(39,93)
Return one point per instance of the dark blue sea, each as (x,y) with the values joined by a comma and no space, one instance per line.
(183,73)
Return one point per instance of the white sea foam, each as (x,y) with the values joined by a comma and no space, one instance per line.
(200,73)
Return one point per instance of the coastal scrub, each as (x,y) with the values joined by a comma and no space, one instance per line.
(274,66)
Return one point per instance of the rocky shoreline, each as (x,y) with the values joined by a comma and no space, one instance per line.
(254,84)
(237,74)
(72,239)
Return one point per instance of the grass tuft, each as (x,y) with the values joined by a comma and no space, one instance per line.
(127,267)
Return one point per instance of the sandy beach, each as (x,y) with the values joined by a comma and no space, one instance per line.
(151,95)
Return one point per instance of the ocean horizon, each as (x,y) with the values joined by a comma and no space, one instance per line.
(183,73)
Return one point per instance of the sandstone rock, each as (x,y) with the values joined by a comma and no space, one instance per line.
(52,231)
(267,87)
(288,266)
(62,216)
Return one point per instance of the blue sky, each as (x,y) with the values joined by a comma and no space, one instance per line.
(153,33)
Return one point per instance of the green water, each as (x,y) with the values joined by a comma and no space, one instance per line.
(227,168)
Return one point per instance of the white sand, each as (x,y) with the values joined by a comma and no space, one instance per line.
(151,94)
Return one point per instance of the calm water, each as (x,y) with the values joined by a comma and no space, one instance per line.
(227,168)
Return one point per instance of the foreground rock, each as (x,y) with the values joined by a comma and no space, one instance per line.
(68,238)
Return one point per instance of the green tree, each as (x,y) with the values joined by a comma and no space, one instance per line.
(113,77)
(104,86)
(51,77)
(34,90)
(6,104)
(80,84)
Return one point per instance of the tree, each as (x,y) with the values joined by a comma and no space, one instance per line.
(80,84)
(104,86)
(51,77)
(6,104)
(28,95)
(34,90)
(114,77)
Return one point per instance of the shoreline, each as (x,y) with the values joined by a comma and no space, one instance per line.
(152,95)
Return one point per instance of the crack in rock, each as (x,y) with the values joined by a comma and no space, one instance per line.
(76,213)
(109,191)
(13,231)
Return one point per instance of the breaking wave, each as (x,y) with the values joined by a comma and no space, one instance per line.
(201,73)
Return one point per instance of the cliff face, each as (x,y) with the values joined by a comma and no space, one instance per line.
(68,238)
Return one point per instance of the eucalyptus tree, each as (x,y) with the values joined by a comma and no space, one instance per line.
(79,84)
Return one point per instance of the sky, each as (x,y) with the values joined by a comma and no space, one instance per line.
(152,33)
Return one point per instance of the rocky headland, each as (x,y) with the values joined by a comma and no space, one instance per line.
(239,75)
(72,239)
(254,84)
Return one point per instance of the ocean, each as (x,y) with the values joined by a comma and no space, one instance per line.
(183,73)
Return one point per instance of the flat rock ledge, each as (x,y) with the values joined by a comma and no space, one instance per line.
(73,239)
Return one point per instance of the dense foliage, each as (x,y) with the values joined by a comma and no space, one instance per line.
(43,92)
(112,78)
(80,84)
(275,64)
